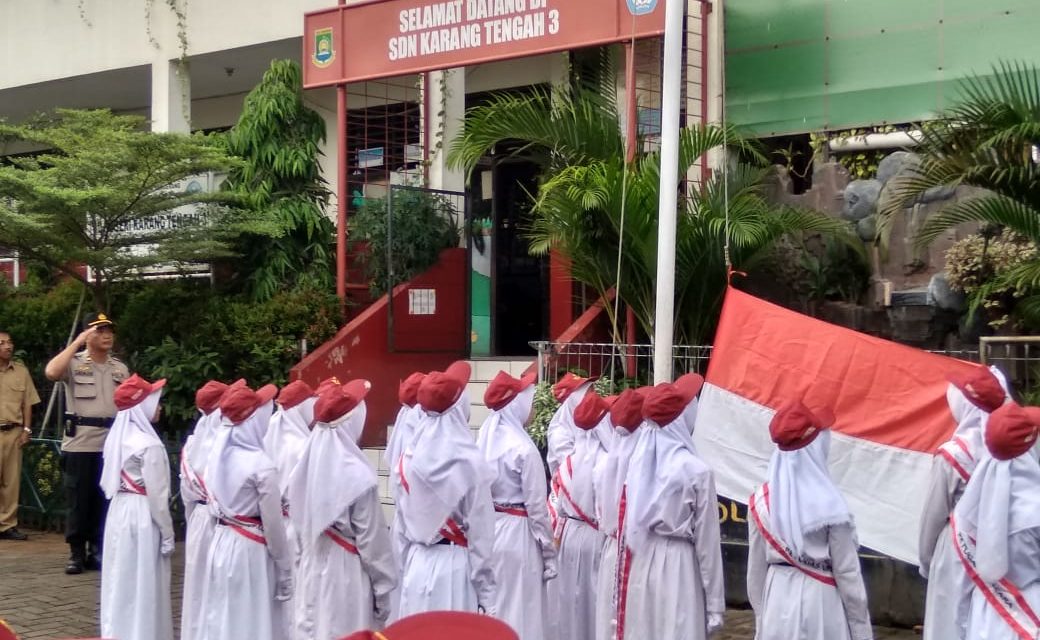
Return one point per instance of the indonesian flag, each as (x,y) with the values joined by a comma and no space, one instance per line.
(889,401)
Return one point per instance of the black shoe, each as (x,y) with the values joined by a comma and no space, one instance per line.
(74,567)
(93,562)
(13,534)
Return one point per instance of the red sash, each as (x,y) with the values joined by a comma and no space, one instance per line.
(511,510)
(127,485)
(957,455)
(1003,596)
(624,566)
(341,541)
(762,496)
(198,486)
(567,494)
(246,526)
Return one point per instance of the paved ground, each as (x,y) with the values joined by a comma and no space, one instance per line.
(42,603)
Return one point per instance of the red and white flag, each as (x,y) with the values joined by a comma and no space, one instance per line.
(889,401)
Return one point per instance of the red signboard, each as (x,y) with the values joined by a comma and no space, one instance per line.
(385,38)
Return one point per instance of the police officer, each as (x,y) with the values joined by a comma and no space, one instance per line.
(91,375)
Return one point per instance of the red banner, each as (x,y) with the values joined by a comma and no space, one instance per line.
(385,38)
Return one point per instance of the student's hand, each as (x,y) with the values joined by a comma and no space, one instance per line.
(166,547)
(381,609)
(283,587)
(549,569)
(715,622)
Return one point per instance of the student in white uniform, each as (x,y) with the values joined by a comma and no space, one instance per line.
(572,596)
(447,518)
(195,496)
(249,569)
(626,416)
(346,570)
(996,530)
(971,398)
(406,425)
(524,555)
(674,586)
(135,576)
(803,578)
(568,391)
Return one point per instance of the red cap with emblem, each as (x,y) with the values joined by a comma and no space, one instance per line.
(134,390)
(980,387)
(1012,430)
(442,625)
(327,384)
(567,385)
(294,393)
(665,402)
(408,392)
(441,389)
(794,425)
(336,402)
(590,411)
(240,402)
(627,410)
(504,388)
(208,396)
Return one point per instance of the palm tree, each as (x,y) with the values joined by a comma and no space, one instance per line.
(591,201)
(985,141)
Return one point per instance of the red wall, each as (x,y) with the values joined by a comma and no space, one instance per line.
(361,348)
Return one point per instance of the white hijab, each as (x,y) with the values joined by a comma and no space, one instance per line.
(131,433)
(662,466)
(331,475)
(405,427)
(442,465)
(563,417)
(197,447)
(503,431)
(802,496)
(611,479)
(1001,499)
(236,454)
(591,447)
(971,419)
(287,437)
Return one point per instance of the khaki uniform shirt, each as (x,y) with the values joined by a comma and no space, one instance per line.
(16,387)
(90,389)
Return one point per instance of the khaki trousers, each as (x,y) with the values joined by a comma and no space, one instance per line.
(10,477)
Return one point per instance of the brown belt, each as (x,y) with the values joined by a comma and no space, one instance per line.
(7,426)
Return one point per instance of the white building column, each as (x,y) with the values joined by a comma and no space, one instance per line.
(171,97)
(447,108)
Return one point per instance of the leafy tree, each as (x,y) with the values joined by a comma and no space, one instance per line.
(106,193)
(985,140)
(587,184)
(278,138)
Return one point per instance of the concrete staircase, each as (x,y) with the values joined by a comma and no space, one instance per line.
(483,372)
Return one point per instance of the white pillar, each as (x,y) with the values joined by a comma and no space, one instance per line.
(447,108)
(716,68)
(667,215)
(171,97)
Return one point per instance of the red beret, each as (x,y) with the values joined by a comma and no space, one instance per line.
(294,393)
(566,385)
(336,402)
(240,402)
(504,388)
(590,411)
(134,390)
(408,392)
(665,402)
(439,390)
(327,384)
(1012,430)
(208,396)
(980,387)
(627,410)
(442,625)
(794,425)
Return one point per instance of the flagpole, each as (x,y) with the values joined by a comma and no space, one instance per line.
(668,203)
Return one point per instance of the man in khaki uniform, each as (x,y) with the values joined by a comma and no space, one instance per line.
(17,397)
(91,376)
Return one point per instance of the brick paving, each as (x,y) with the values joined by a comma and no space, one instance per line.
(42,603)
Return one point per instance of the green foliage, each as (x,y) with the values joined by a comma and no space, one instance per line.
(827,270)
(862,165)
(545,405)
(423,225)
(278,136)
(590,201)
(103,190)
(978,266)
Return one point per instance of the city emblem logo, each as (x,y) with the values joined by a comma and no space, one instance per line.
(641,7)
(324,53)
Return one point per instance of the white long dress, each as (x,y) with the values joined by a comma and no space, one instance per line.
(523,539)
(135,576)
(790,605)
(347,569)
(985,622)
(609,481)
(200,522)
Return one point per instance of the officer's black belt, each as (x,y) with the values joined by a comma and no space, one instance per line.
(104,423)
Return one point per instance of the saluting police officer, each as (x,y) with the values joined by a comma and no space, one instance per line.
(91,375)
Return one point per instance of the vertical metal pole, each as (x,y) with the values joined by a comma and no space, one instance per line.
(632,116)
(668,204)
(342,194)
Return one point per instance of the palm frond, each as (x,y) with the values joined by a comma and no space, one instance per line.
(994,209)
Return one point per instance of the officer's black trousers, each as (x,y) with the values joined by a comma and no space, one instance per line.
(86,503)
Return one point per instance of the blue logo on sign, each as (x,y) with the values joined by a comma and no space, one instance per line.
(641,7)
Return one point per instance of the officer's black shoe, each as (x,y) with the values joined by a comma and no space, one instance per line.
(93,562)
(75,566)
(12,534)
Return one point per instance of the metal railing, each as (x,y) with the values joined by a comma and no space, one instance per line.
(632,364)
